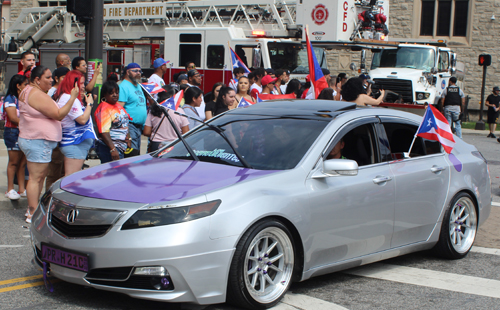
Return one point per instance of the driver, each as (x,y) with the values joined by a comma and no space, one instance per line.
(336,152)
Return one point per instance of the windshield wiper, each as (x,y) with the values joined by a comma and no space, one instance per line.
(217,129)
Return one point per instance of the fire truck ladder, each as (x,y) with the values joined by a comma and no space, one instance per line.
(275,17)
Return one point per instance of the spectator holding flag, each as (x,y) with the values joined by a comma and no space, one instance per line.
(243,89)
(268,84)
(160,66)
(318,80)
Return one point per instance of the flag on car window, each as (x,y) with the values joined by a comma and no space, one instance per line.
(173,102)
(237,63)
(318,80)
(153,88)
(435,127)
(243,103)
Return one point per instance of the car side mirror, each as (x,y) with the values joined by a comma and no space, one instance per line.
(256,57)
(335,167)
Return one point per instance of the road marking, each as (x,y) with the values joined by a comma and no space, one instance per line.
(20,279)
(478,249)
(429,278)
(496,204)
(11,246)
(299,301)
(20,287)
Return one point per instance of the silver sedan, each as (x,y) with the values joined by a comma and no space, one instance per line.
(258,198)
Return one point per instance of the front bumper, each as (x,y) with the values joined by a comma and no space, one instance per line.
(197,265)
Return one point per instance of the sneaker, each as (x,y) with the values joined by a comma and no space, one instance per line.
(28,219)
(23,194)
(489,135)
(27,213)
(12,195)
(493,136)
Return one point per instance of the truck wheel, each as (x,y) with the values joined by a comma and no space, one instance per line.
(459,228)
(262,266)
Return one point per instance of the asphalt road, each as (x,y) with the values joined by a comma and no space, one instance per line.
(415,281)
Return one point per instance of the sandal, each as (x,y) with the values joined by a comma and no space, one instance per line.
(28,216)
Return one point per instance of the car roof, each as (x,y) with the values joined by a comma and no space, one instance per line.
(310,109)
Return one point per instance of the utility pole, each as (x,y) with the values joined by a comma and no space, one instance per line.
(95,46)
(484,61)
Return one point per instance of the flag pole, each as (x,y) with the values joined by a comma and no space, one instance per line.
(415,137)
(411,146)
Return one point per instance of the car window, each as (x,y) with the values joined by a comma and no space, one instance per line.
(400,137)
(358,145)
(265,143)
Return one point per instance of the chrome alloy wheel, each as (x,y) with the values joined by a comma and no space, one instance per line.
(269,265)
(463,225)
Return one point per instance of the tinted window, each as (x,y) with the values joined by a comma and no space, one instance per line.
(400,137)
(190,52)
(215,56)
(190,37)
(265,143)
(461,14)
(359,145)
(444,18)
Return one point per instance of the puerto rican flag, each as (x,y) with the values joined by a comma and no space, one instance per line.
(173,102)
(435,127)
(237,63)
(153,88)
(243,103)
(318,80)
(259,99)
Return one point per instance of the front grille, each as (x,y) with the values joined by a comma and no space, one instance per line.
(138,282)
(78,231)
(118,273)
(401,87)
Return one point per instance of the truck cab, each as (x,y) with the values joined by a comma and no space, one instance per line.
(413,73)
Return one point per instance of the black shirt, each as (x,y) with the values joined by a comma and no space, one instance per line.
(495,100)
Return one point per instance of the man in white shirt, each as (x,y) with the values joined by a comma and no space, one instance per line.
(160,66)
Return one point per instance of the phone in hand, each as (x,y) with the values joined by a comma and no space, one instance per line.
(76,82)
(338,79)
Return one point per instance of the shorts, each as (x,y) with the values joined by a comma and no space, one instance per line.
(10,137)
(492,117)
(77,151)
(37,150)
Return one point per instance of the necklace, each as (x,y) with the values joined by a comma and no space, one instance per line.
(38,87)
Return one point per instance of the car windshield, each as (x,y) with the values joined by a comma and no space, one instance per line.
(405,57)
(293,57)
(266,143)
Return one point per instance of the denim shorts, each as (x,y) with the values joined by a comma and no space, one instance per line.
(77,151)
(37,150)
(10,136)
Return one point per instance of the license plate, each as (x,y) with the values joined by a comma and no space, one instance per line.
(65,258)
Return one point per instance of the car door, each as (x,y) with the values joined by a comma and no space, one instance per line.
(421,181)
(351,215)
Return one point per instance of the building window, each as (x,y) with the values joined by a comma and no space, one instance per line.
(444,18)
(51,3)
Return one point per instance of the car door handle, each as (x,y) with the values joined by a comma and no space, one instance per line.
(437,169)
(381,179)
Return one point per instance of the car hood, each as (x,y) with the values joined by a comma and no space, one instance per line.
(149,180)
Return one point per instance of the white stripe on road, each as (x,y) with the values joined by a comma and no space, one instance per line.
(495,204)
(429,278)
(478,249)
(299,301)
(11,246)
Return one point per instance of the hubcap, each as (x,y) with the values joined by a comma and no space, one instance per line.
(269,265)
(463,223)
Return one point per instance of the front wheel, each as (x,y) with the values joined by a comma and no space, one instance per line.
(262,266)
(459,228)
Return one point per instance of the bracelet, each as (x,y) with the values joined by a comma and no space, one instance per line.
(111,151)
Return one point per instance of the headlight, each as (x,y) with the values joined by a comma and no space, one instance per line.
(165,215)
(45,201)
(422,96)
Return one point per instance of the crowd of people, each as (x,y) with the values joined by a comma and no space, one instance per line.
(49,126)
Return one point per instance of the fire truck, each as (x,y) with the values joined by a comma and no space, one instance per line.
(264,33)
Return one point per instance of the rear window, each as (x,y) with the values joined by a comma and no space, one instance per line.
(265,143)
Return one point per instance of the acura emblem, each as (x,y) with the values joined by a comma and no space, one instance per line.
(72,216)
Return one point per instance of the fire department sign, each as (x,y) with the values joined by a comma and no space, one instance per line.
(319,14)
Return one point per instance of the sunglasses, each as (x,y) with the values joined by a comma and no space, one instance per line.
(136,71)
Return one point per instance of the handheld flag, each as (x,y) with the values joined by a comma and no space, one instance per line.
(263,97)
(435,127)
(243,103)
(237,63)
(173,102)
(318,80)
(153,88)
(259,99)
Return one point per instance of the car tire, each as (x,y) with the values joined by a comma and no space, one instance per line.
(459,228)
(262,267)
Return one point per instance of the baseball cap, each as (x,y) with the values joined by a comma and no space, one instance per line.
(270,71)
(364,77)
(268,79)
(132,65)
(159,62)
(496,88)
(193,72)
(181,78)
(61,71)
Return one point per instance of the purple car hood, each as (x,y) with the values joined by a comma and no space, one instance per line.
(148,180)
